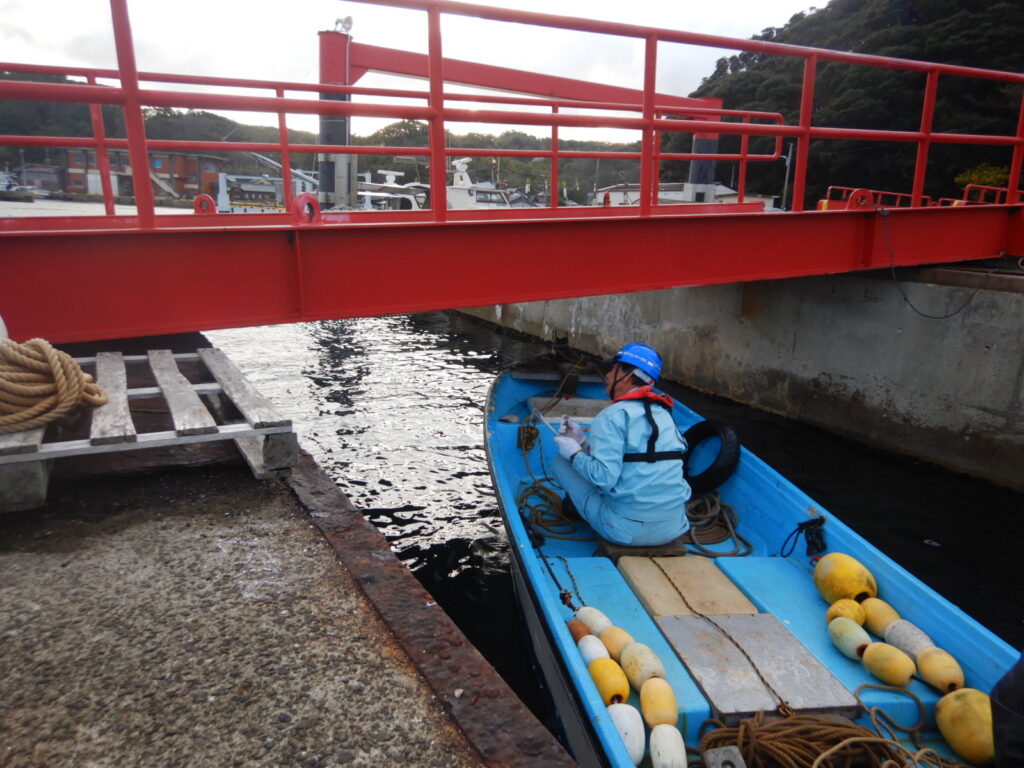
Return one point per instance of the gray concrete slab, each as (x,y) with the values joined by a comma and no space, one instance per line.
(198,619)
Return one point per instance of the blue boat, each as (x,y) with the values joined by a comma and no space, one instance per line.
(559,565)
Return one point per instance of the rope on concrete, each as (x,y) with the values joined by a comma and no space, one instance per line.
(39,384)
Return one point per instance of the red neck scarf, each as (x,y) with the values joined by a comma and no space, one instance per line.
(646,393)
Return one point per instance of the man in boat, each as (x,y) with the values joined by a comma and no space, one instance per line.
(626,479)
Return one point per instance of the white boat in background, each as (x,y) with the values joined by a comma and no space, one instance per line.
(462,193)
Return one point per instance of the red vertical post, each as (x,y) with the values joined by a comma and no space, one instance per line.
(927,114)
(134,124)
(99,132)
(554,160)
(656,161)
(1013,183)
(803,142)
(741,192)
(438,162)
(647,180)
(286,155)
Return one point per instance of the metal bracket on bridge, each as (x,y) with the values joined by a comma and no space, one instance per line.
(205,204)
(306,209)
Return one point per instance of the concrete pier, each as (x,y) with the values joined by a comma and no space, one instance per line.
(202,618)
(855,354)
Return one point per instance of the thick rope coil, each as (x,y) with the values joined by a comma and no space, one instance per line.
(39,384)
(813,741)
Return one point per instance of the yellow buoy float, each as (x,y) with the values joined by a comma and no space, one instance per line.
(846,608)
(878,615)
(658,702)
(610,680)
(615,639)
(889,664)
(838,576)
(964,718)
(940,670)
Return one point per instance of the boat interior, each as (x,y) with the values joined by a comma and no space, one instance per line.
(767,603)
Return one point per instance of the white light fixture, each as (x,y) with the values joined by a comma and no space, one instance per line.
(343,25)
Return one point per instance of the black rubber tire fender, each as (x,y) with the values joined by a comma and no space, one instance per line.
(724,464)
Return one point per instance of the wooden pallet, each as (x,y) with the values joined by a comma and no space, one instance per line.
(221,405)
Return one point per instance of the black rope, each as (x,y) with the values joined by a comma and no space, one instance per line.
(812,533)
(892,270)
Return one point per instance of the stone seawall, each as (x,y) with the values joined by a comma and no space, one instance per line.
(846,352)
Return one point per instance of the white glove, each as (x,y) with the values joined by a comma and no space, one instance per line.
(567,447)
(571,429)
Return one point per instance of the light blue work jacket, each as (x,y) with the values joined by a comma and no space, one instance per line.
(647,500)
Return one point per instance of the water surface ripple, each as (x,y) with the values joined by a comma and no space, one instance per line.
(392,409)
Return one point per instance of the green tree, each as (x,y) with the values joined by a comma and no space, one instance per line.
(975,33)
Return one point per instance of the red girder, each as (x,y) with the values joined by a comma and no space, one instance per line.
(364,57)
(104,284)
(71,279)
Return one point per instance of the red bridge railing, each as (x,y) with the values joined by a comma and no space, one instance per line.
(656,116)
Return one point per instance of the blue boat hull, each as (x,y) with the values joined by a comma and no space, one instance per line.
(769,508)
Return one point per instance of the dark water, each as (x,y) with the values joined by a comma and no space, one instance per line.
(392,409)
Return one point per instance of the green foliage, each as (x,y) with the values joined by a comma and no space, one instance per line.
(48,118)
(985,174)
(976,33)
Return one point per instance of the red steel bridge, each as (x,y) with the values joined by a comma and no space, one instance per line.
(109,276)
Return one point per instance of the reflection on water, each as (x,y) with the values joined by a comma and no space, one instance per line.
(392,409)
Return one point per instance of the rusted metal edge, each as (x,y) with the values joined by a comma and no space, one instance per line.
(492,718)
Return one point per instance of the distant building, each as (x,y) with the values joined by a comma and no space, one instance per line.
(48,177)
(172,174)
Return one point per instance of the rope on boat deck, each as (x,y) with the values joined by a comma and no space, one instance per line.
(714,522)
(814,741)
(39,384)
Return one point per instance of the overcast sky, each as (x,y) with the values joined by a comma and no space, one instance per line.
(278,41)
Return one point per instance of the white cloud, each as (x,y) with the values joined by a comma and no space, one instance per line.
(264,39)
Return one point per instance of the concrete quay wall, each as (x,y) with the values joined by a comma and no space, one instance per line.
(844,352)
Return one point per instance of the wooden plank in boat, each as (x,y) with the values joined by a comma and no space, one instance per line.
(187,410)
(579,408)
(112,422)
(256,409)
(707,588)
(729,682)
(703,586)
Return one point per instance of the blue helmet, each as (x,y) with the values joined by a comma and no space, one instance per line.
(643,358)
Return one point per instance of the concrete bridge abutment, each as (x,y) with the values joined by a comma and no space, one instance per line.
(855,354)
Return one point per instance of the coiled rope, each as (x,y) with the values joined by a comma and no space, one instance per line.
(812,741)
(712,522)
(39,384)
